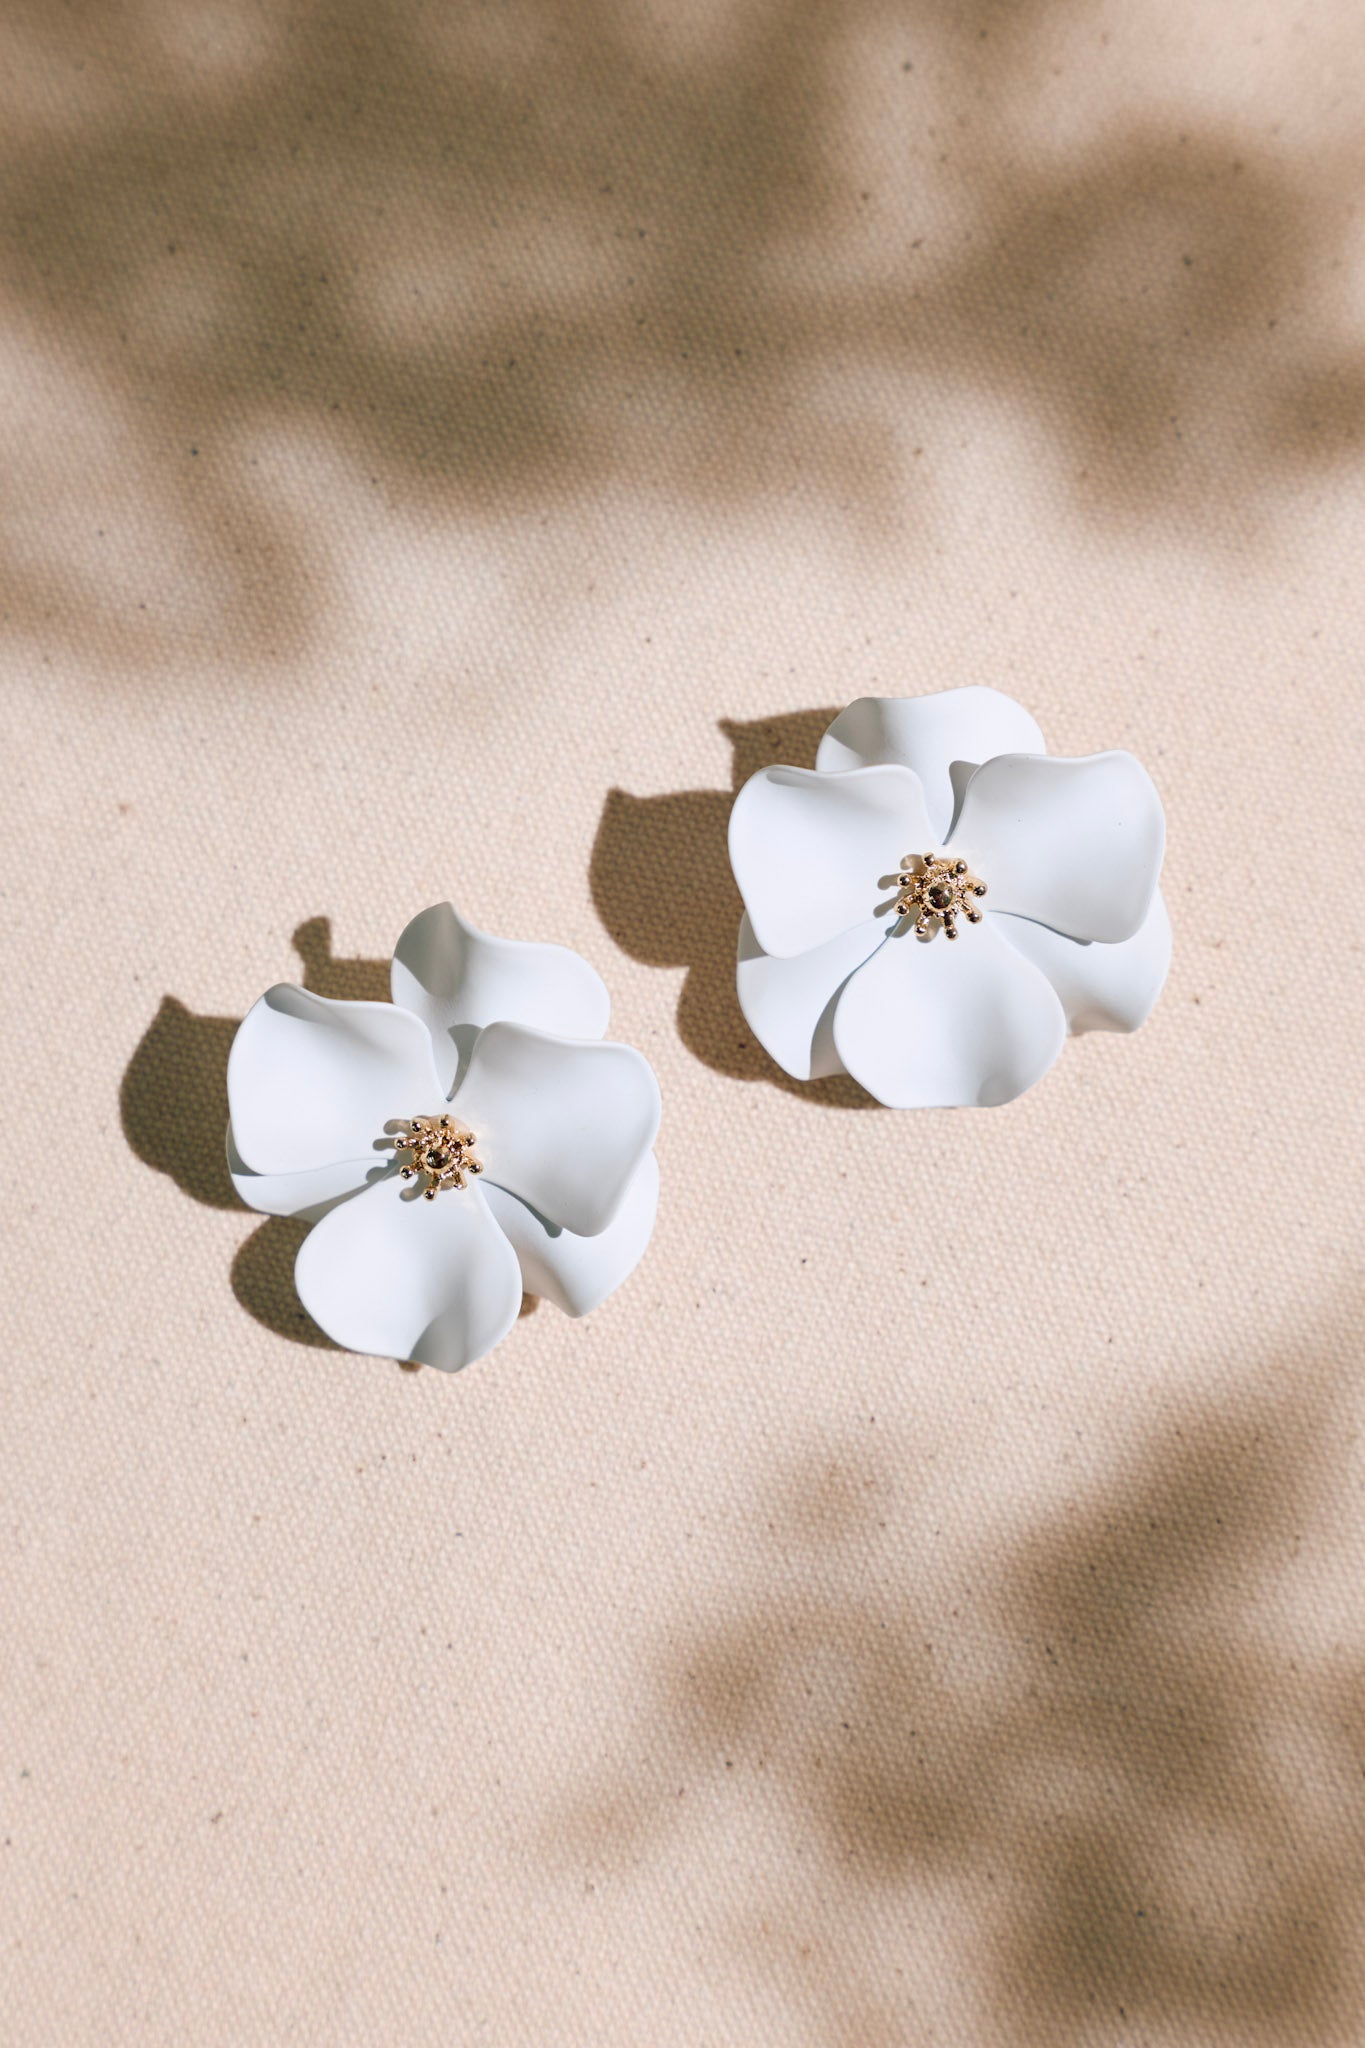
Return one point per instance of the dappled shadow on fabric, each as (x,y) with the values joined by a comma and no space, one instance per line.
(173,1104)
(447,262)
(1120,1746)
(662,886)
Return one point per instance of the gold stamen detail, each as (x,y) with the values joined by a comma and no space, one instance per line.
(439,1152)
(936,890)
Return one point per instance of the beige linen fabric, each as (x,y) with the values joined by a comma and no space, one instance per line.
(444,448)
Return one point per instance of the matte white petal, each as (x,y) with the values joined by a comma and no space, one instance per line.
(405,1278)
(928,1023)
(928,734)
(789,1004)
(1076,844)
(312,1081)
(307,1195)
(812,853)
(457,979)
(563,1123)
(576,1273)
(1101,988)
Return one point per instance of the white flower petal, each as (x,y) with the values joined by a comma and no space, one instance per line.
(457,979)
(789,1004)
(306,1195)
(812,853)
(406,1278)
(1101,988)
(576,1273)
(928,1023)
(1076,844)
(928,734)
(561,1123)
(312,1081)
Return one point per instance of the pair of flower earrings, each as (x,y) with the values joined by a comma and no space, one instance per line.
(931,909)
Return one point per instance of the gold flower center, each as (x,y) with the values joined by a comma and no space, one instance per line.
(438,1151)
(935,889)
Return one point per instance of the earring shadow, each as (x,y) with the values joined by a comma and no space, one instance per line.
(662,886)
(263,1282)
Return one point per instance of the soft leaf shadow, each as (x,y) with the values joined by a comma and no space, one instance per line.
(473,258)
(1117,1733)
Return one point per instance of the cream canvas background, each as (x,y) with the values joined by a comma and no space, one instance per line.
(443,447)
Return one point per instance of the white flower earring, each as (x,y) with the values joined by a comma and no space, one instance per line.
(936,904)
(469,1142)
